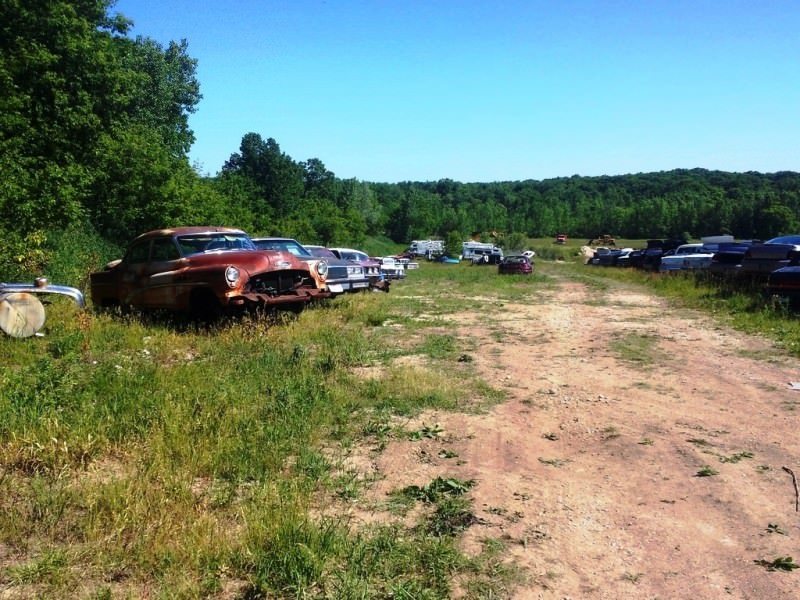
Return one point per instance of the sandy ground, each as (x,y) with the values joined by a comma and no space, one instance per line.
(588,470)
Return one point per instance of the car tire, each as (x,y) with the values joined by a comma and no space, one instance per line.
(203,305)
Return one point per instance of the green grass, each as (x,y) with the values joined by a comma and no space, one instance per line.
(142,456)
(636,348)
(181,460)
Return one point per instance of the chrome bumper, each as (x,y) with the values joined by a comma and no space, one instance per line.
(42,286)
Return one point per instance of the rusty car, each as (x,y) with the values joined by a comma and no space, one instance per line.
(205,271)
(337,278)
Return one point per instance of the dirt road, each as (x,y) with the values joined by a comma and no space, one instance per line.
(589,471)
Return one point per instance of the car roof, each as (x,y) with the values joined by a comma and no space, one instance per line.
(785,239)
(175,231)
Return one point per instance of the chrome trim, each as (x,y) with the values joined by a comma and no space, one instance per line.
(41,286)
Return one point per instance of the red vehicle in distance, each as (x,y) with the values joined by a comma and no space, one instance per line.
(515,265)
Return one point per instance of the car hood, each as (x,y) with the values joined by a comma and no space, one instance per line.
(332,261)
(253,261)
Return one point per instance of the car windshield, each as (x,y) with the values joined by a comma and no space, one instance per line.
(284,245)
(320,252)
(209,242)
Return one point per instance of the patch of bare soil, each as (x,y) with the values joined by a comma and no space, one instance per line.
(589,469)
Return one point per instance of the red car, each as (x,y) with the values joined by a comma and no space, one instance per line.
(515,265)
(561,238)
(205,270)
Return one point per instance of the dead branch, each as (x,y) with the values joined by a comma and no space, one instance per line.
(796,494)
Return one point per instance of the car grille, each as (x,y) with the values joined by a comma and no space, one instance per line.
(343,273)
(278,282)
(337,272)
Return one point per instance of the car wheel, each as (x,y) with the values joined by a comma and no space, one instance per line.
(296,307)
(203,305)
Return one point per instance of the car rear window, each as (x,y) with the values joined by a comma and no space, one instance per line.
(321,252)
(283,245)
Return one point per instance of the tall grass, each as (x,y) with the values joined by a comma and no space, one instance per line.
(144,456)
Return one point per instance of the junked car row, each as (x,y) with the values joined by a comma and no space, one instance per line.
(775,262)
(209,270)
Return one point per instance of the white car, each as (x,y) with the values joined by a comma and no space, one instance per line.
(392,268)
(686,257)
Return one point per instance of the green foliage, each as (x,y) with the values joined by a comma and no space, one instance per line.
(706,471)
(438,489)
(453,243)
(452,516)
(516,242)
(22,256)
(94,128)
(74,252)
(781,563)
(93,124)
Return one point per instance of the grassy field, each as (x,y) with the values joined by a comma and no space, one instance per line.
(141,457)
(144,457)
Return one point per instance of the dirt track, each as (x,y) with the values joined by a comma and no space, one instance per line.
(588,470)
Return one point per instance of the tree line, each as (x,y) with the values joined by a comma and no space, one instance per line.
(94,142)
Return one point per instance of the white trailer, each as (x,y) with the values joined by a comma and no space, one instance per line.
(481,252)
(426,248)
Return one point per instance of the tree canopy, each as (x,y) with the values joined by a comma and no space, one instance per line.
(94,133)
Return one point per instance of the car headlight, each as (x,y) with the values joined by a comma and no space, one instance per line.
(232,276)
(322,268)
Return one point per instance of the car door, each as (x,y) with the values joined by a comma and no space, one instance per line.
(162,274)
(132,269)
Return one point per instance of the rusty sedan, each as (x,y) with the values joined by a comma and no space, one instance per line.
(205,271)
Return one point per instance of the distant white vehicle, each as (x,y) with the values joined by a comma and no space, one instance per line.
(392,268)
(480,252)
(686,257)
(694,256)
(429,248)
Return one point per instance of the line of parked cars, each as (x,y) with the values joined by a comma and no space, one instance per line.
(775,262)
(208,270)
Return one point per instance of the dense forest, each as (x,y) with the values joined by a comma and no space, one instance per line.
(94,142)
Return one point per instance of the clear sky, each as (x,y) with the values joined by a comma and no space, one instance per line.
(480,90)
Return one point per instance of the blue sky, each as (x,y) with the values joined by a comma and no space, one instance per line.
(488,91)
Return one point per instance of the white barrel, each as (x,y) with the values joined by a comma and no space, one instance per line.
(21,314)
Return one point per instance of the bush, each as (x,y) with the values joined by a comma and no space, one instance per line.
(22,257)
(72,253)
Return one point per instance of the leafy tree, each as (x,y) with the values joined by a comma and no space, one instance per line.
(453,243)
(80,101)
(280,179)
(515,241)
(775,219)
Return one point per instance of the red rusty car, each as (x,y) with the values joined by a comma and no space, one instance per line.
(205,270)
